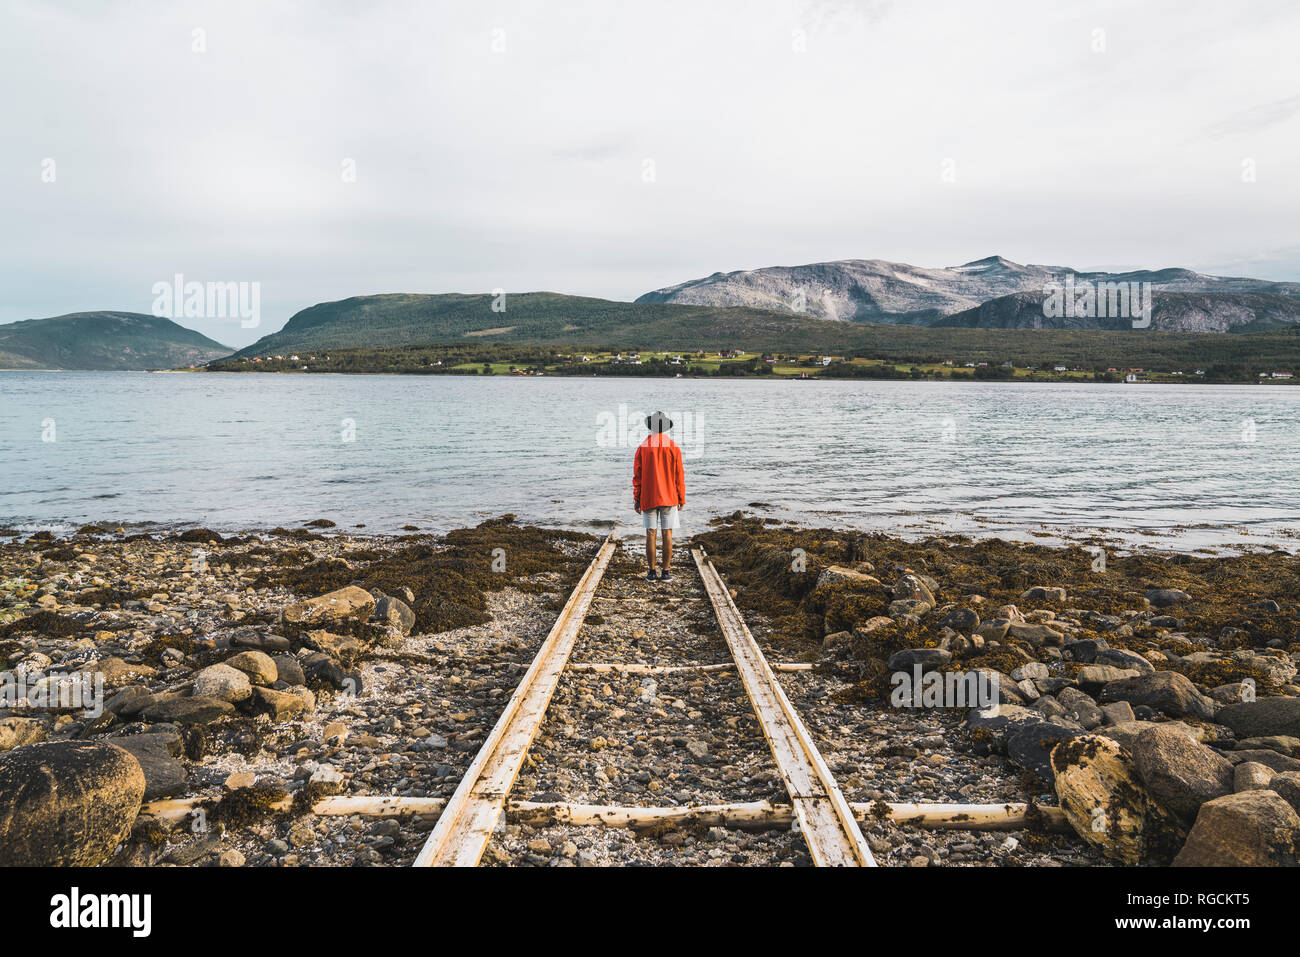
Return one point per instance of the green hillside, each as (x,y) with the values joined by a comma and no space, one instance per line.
(104,341)
(392,322)
(538,318)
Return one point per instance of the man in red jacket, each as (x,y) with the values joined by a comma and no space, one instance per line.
(658,489)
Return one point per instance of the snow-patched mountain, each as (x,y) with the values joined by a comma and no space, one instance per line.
(874,290)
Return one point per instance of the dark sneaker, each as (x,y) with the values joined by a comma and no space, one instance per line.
(650,576)
(666,576)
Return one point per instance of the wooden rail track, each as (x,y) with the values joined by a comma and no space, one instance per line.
(466,824)
(824,818)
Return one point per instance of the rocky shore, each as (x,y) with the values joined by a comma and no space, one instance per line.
(186,699)
(1153,697)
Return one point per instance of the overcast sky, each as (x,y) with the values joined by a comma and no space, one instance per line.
(607,149)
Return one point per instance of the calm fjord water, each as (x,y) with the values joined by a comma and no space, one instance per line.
(1172,466)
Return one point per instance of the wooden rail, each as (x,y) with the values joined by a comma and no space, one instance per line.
(824,816)
(466,825)
(745,814)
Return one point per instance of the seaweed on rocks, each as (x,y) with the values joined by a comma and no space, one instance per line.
(244,806)
(1229,604)
(200,536)
(305,798)
(298,534)
(47,624)
(196,741)
(449,579)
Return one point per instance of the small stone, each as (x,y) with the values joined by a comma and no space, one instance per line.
(1164,597)
(1042,593)
(258,665)
(302,835)
(223,683)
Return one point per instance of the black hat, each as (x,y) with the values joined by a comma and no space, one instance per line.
(658,422)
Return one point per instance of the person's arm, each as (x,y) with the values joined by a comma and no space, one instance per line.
(681,479)
(636,480)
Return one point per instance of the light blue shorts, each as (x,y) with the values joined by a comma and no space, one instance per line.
(662,517)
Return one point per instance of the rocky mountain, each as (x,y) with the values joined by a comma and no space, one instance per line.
(104,341)
(1171,312)
(873,290)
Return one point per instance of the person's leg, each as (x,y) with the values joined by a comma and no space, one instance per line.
(668,548)
(650,548)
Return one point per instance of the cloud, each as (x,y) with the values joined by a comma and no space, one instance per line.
(1255,119)
(507,146)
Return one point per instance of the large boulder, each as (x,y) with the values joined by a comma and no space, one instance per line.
(1106,803)
(1247,829)
(1165,691)
(66,803)
(349,602)
(1266,716)
(1182,774)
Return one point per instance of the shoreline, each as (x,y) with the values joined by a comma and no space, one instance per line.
(1162,542)
(775,377)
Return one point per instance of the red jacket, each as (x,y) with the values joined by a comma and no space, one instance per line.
(658,478)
